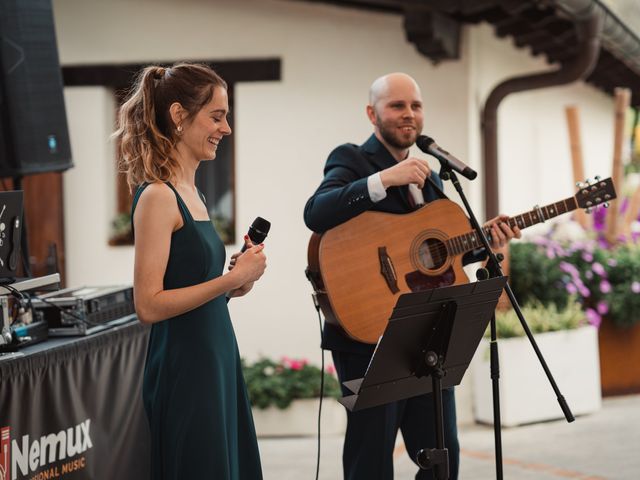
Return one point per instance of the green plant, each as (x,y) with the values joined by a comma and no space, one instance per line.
(540,318)
(279,383)
(605,280)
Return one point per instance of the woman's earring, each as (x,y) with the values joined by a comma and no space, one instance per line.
(179,129)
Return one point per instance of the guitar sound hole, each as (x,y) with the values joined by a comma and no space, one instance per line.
(432,254)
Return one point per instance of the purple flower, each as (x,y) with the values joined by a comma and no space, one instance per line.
(550,253)
(593,317)
(599,218)
(602,307)
(587,257)
(605,286)
(570,269)
(599,269)
(588,274)
(612,262)
(584,291)
(635,287)
(571,288)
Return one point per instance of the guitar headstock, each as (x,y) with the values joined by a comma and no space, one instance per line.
(592,194)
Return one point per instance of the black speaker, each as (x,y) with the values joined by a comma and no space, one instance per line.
(34,136)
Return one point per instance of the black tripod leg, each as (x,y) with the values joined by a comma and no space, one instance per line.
(495,383)
(441,469)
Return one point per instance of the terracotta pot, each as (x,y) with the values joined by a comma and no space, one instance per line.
(619,358)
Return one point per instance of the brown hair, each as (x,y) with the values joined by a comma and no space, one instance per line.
(146,133)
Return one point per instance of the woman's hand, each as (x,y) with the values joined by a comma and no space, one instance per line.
(248,266)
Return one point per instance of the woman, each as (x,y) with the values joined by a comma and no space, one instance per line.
(193,390)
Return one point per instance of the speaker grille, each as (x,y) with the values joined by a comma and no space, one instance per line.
(36,138)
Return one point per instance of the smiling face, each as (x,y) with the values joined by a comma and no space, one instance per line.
(395,110)
(201,135)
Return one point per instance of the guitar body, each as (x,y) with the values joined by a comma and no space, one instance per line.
(352,258)
(360,268)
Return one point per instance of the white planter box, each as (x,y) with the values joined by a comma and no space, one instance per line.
(525,393)
(301,419)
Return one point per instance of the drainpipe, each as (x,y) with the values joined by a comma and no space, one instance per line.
(588,23)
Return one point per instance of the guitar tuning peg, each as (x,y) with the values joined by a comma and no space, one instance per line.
(580,185)
(588,210)
(606,204)
(588,181)
(598,178)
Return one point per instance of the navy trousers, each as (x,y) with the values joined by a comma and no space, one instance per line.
(371,433)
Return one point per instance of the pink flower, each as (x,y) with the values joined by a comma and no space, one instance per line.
(605,286)
(331,370)
(296,365)
(593,317)
(587,257)
(602,307)
(635,287)
(599,269)
(571,288)
(612,262)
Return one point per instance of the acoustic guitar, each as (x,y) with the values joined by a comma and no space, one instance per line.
(360,268)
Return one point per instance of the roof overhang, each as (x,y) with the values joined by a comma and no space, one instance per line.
(546,27)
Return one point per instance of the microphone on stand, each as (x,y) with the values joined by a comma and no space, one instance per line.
(428,145)
(257,231)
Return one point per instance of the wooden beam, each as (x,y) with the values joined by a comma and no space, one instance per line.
(622,101)
(577,163)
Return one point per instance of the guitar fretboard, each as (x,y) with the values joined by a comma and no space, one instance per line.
(470,241)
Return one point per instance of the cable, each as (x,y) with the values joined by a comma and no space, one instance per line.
(66,312)
(317,306)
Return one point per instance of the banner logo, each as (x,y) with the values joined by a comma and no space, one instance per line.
(5,453)
(49,455)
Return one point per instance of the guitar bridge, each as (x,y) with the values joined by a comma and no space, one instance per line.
(387,270)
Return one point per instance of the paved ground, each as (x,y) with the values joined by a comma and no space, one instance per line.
(604,445)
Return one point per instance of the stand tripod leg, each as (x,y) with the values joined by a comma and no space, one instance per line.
(436,458)
(495,383)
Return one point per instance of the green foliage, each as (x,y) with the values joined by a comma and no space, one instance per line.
(624,298)
(279,383)
(606,281)
(535,276)
(540,319)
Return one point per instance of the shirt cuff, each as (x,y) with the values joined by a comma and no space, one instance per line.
(376,190)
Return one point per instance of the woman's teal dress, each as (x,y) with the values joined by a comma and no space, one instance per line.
(193,389)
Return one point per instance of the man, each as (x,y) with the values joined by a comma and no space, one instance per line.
(379,175)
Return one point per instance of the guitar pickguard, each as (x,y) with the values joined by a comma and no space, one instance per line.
(419,282)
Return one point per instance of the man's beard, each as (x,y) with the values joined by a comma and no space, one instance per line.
(394,138)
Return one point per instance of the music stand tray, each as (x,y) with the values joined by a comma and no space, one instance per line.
(448,320)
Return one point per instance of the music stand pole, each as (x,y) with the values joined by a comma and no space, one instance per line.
(493,265)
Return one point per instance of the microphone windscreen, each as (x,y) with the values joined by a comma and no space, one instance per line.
(423,142)
(259,230)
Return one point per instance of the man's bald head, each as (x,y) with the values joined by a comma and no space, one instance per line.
(384,87)
(395,110)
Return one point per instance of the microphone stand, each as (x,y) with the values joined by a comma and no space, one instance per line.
(494,269)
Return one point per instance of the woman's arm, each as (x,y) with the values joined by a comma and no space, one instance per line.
(156,217)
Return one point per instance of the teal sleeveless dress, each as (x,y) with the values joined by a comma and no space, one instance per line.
(193,389)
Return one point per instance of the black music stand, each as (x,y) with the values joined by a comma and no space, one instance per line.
(430,334)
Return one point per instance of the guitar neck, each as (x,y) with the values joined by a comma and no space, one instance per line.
(470,240)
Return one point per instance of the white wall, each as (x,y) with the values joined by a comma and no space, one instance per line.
(284,130)
(533,142)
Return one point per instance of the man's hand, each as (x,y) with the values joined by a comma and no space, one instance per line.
(410,170)
(501,232)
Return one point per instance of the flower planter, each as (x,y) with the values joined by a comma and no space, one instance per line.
(525,393)
(300,419)
(619,358)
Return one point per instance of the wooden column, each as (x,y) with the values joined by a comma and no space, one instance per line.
(577,163)
(622,100)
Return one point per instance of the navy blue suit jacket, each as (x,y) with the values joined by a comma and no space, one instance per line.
(343,194)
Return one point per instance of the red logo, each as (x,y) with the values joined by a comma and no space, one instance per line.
(5,456)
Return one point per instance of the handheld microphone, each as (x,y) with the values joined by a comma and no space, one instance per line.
(257,231)
(428,145)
